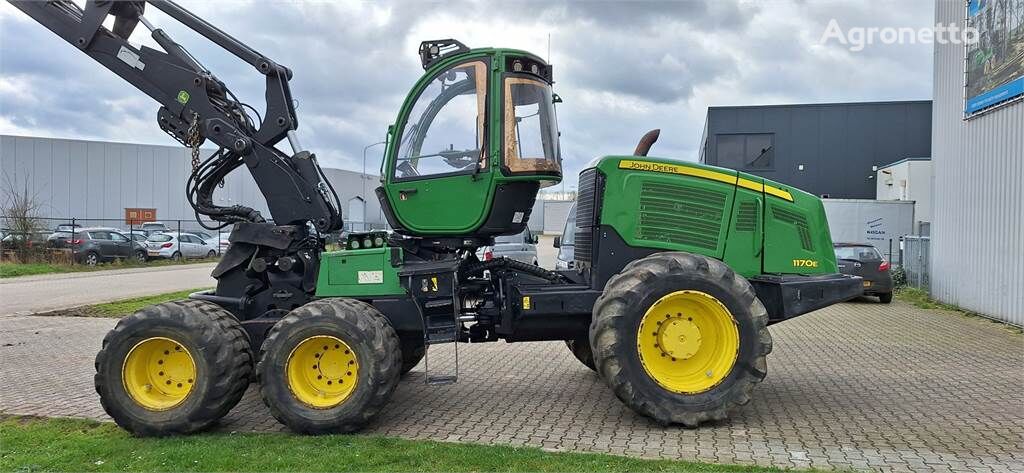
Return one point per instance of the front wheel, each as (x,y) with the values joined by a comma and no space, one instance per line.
(173,368)
(212,254)
(680,338)
(329,366)
(140,256)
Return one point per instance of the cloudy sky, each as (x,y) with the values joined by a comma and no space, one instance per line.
(622,68)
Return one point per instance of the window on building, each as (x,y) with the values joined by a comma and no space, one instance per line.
(752,151)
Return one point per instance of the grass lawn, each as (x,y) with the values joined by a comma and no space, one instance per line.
(11,270)
(920,298)
(30,444)
(123,307)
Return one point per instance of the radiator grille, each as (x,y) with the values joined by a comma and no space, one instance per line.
(746,217)
(587,198)
(680,214)
(799,221)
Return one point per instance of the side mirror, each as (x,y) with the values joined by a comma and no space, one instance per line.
(558,242)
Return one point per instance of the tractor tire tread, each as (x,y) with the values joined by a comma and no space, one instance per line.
(625,291)
(224,345)
(384,343)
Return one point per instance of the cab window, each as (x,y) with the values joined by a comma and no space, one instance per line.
(444,132)
(531,130)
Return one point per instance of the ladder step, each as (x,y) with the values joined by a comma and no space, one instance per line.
(442,380)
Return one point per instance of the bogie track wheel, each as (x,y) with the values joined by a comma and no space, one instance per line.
(173,368)
(680,338)
(580,348)
(329,366)
(413,350)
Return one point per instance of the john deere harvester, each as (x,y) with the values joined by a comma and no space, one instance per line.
(679,268)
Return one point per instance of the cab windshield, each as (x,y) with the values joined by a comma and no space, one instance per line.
(531,129)
(444,133)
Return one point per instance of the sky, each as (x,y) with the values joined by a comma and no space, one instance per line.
(622,68)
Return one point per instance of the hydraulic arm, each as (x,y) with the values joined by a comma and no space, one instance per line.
(197,106)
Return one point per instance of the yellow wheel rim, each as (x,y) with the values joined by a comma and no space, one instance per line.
(322,371)
(688,342)
(158,373)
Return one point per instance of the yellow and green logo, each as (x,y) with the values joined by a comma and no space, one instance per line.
(183,97)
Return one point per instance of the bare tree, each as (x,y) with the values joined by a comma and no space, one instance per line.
(20,214)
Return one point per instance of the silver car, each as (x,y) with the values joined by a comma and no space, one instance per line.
(520,247)
(176,246)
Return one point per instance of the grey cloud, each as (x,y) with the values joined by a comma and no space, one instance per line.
(352,71)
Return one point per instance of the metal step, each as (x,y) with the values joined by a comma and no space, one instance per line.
(443,367)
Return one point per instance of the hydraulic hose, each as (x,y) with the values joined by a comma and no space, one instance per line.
(506,263)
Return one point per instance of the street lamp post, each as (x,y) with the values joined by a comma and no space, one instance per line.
(363,177)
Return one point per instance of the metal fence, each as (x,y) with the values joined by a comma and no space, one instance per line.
(915,261)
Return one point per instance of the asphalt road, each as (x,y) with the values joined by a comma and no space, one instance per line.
(30,294)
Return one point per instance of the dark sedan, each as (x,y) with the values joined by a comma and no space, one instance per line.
(861,259)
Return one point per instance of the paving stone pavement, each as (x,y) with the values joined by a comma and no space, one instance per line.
(856,386)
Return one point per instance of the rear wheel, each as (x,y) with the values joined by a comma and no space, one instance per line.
(176,256)
(173,368)
(329,366)
(680,338)
(91,258)
(413,349)
(580,348)
(885,298)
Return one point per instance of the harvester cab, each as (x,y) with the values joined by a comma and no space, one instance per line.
(678,267)
(475,140)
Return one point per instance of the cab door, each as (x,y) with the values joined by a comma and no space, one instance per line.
(438,181)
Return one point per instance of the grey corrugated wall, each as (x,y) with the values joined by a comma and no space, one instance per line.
(977,257)
(98,180)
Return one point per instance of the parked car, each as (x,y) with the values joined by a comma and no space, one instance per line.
(137,235)
(566,243)
(177,246)
(67,227)
(93,246)
(220,243)
(13,240)
(520,247)
(864,260)
(154,227)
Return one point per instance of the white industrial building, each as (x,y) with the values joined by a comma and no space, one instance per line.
(908,179)
(99,182)
(977,230)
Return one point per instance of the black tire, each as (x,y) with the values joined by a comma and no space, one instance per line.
(219,348)
(176,256)
(885,298)
(617,316)
(361,327)
(580,348)
(140,257)
(211,254)
(91,258)
(413,350)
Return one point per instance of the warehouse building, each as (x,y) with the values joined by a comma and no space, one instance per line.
(831,150)
(977,230)
(102,183)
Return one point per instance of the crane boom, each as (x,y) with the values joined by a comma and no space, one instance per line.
(268,265)
(197,106)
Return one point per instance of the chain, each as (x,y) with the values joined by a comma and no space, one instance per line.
(193,140)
